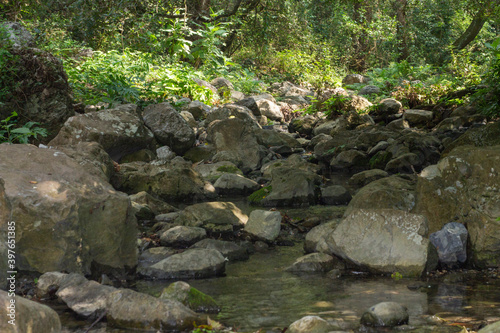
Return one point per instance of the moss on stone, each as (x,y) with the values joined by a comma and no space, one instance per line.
(201,302)
(228,169)
(258,195)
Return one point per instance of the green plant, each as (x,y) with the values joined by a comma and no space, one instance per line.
(258,195)
(12,134)
(488,98)
(396,276)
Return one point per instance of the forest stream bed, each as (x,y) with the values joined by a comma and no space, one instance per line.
(259,295)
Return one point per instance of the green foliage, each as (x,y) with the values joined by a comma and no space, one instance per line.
(412,95)
(11,133)
(132,77)
(258,195)
(8,68)
(396,276)
(488,98)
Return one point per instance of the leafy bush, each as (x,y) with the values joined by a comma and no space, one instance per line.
(10,133)
(488,98)
(132,77)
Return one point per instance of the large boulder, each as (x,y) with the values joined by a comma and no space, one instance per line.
(235,141)
(270,109)
(40,91)
(488,135)
(395,192)
(120,131)
(5,222)
(192,264)
(132,310)
(218,217)
(232,111)
(66,218)
(169,127)
(292,186)
(173,181)
(384,240)
(463,187)
(19,315)
(234,184)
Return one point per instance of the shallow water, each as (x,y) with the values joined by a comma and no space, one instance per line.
(258,294)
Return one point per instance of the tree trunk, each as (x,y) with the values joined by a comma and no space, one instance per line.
(401,35)
(472,31)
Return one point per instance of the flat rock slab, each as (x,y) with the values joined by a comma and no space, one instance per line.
(191,264)
(263,224)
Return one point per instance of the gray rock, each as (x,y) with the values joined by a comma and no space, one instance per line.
(165,154)
(315,238)
(265,225)
(213,171)
(207,85)
(84,297)
(188,117)
(155,254)
(269,109)
(450,124)
(382,145)
(369,89)
(398,125)
(191,297)
(405,163)
(132,310)
(182,236)
(384,240)
(354,78)
(27,316)
(349,159)
(311,263)
(418,117)
(229,250)
(228,111)
(48,282)
(386,314)
(234,184)
(491,328)
(335,195)
(75,220)
(388,107)
(191,264)
(173,181)
(215,217)
(451,244)
(311,324)
(156,206)
(363,178)
(251,104)
(169,127)
(198,110)
(119,131)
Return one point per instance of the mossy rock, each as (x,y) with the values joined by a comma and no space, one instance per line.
(380,160)
(229,169)
(190,297)
(258,195)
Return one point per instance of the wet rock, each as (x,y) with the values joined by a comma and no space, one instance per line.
(335,195)
(418,118)
(48,283)
(311,263)
(234,184)
(386,314)
(182,236)
(394,192)
(364,178)
(451,244)
(191,264)
(172,182)
(311,324)
(191,297)
(384,240)
(119,131)
(215,217)
(464,188)
(28,316)
(229,250)
(169,127)
(264,225)
(70,220)
(132,310)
